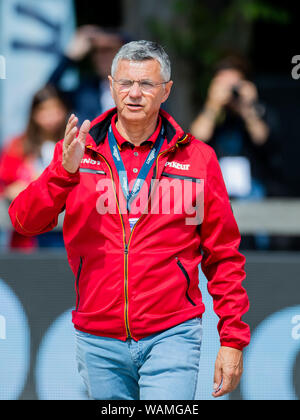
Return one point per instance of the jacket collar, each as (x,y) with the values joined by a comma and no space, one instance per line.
(99,128)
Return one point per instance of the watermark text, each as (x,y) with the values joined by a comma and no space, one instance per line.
(296,329)
(163,197)
(296,68)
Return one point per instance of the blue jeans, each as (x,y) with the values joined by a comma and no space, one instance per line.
(162,366)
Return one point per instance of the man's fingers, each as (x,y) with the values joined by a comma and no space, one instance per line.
(217,377)
(83,132)
(229,383)
(70,136)
(218,380)
(71,130)
(70,120)
(225,388)
(71,133)
(71,124)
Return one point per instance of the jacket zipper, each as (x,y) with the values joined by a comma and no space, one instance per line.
(77,282)
(126,291)
(154,175)
(126,262)
(127,249)
(179,263)
(128,333)
(126,245)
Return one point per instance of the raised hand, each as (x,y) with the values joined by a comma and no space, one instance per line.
(73,145)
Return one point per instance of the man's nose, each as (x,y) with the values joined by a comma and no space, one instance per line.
(135,90)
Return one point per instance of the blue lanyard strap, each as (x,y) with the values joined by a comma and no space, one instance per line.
(130,195)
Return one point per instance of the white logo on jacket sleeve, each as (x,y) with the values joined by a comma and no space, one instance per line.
(90,161)
(177,165)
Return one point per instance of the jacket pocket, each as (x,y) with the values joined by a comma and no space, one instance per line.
(185,273)
(182,177)
(77,283)
(92,171)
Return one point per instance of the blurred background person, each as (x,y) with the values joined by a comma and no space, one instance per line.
(240,129)
(92,95)
(25,157)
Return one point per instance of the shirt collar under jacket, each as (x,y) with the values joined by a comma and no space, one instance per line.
(122,142)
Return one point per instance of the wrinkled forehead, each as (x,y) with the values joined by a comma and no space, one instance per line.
(138,70)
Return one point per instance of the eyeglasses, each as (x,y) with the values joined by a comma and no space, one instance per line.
(144,85)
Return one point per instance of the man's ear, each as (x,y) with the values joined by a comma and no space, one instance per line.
(168,87)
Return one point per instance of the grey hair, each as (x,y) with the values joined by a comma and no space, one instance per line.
(144,50)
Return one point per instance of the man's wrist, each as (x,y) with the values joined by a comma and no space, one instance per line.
(232,345)
(67,173)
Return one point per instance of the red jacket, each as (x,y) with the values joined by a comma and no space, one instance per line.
(136,283)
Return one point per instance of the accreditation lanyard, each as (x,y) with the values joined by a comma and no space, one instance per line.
(130,195)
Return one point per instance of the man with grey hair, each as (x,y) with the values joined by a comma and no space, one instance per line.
(144,50)
(138,314)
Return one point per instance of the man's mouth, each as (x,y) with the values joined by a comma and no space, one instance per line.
(134,106)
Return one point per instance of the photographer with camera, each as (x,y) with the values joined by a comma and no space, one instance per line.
(98,46)
(234,123)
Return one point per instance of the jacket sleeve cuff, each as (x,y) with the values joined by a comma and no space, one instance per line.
(232,345)
(61,171)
